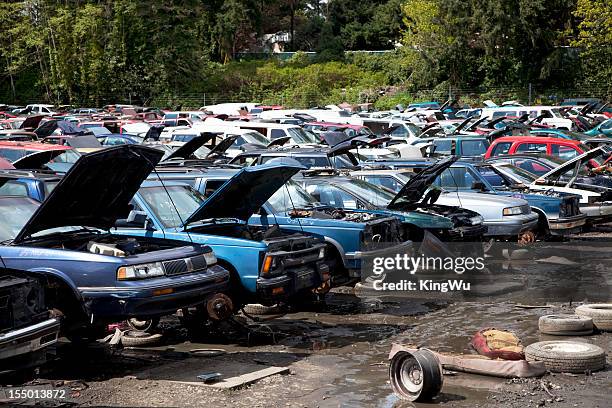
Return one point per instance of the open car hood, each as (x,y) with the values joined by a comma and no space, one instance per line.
(37,160)
(222,146)
(243,194)
(414,189)
(96,191)
(31,122)
(186,151)
(570,164)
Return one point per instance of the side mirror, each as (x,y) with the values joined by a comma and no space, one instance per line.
(135,219)
(479,185)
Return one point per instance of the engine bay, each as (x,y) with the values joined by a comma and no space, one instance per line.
(333,213)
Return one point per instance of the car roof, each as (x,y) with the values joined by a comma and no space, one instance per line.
(32,146)
(537,139)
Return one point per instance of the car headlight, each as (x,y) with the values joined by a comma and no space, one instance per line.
(143,271)
(477,220)
(322,253)
(269,264)
(513,211)
(210,258)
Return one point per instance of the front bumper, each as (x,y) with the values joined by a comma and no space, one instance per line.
(354,259)
(29,339)
(294,280)
(567,225)
(153,300)
(511,226)
(472,233)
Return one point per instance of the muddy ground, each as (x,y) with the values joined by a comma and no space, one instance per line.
(337,352)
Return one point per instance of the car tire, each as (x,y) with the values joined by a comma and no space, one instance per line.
(134,338)
(259,310)
(601,313)
(565,325)
(567,356)
(143,325)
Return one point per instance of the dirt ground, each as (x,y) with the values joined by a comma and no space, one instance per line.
(337,353)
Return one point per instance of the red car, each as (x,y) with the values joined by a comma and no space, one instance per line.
(29,155)
(563,148)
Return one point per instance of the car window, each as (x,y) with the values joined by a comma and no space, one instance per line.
(14,188)
(454,178)
(532,147)
(172,212)
(387,182)
(532,166)
(490,175)
(473,147)
(332,195)
(399,131)
(501,148)
(443,146)
(276,133)
(564,152)
(320,161)
(211,186)
(14,213)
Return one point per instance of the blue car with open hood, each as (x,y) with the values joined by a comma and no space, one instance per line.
(267,264)
(94,277)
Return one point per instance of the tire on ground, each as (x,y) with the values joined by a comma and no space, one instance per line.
(601,313)
(565,325)
(258,309)
(567,356)
(139,338)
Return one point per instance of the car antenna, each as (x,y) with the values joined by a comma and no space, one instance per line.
(456,187)
(292,206)
(171,200)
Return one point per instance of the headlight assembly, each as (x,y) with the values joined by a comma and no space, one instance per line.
(210,258)
(143,271)
(513,211)
(477,220)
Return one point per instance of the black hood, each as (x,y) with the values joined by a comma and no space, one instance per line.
(222,147)
(37,160)
(96,191)
(414,189)
(186,151)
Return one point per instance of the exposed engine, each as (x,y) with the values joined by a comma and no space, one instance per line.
(333,213)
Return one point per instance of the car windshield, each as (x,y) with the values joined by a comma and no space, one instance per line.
(521,175)
(14,213)
(290,196)
(171,212)
(99,130)
(255,137)
(299,136)
(367,191)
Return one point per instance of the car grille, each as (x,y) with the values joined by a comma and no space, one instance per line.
(185,265)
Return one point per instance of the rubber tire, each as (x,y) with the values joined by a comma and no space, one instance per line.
(257,309)
(143,325)
(565,325)
(601,313)
(133,338)
(589,358)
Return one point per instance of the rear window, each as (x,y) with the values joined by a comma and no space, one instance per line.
(532,147)
(501,148)
(14,188)
(473,147)
(443,146)
(276,133)
(564,152)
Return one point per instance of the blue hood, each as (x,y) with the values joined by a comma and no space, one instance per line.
(242,195)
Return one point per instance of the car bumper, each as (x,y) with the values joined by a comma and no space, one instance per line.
(270,290)
(354,259)
(29,339)
(150,300)
(567,225)
(597,212)
(511,226)
(473,233)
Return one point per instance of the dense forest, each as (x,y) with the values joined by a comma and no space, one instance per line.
(192,52)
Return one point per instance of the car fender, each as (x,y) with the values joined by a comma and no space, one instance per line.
(541,212)
(338,247)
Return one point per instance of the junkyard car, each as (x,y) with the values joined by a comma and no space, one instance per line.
(267,264)
(94,277)
(595,199)
(349,234)
(27,326)
(504,217)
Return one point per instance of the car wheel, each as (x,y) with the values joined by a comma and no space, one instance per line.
(565,325)
(134,338)
(143,325)
(601,313)
(567,356)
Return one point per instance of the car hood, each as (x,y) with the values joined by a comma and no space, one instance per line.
(186,151)
(473,200)
(96,191)
(243,194)
(568,165)
(414,189)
